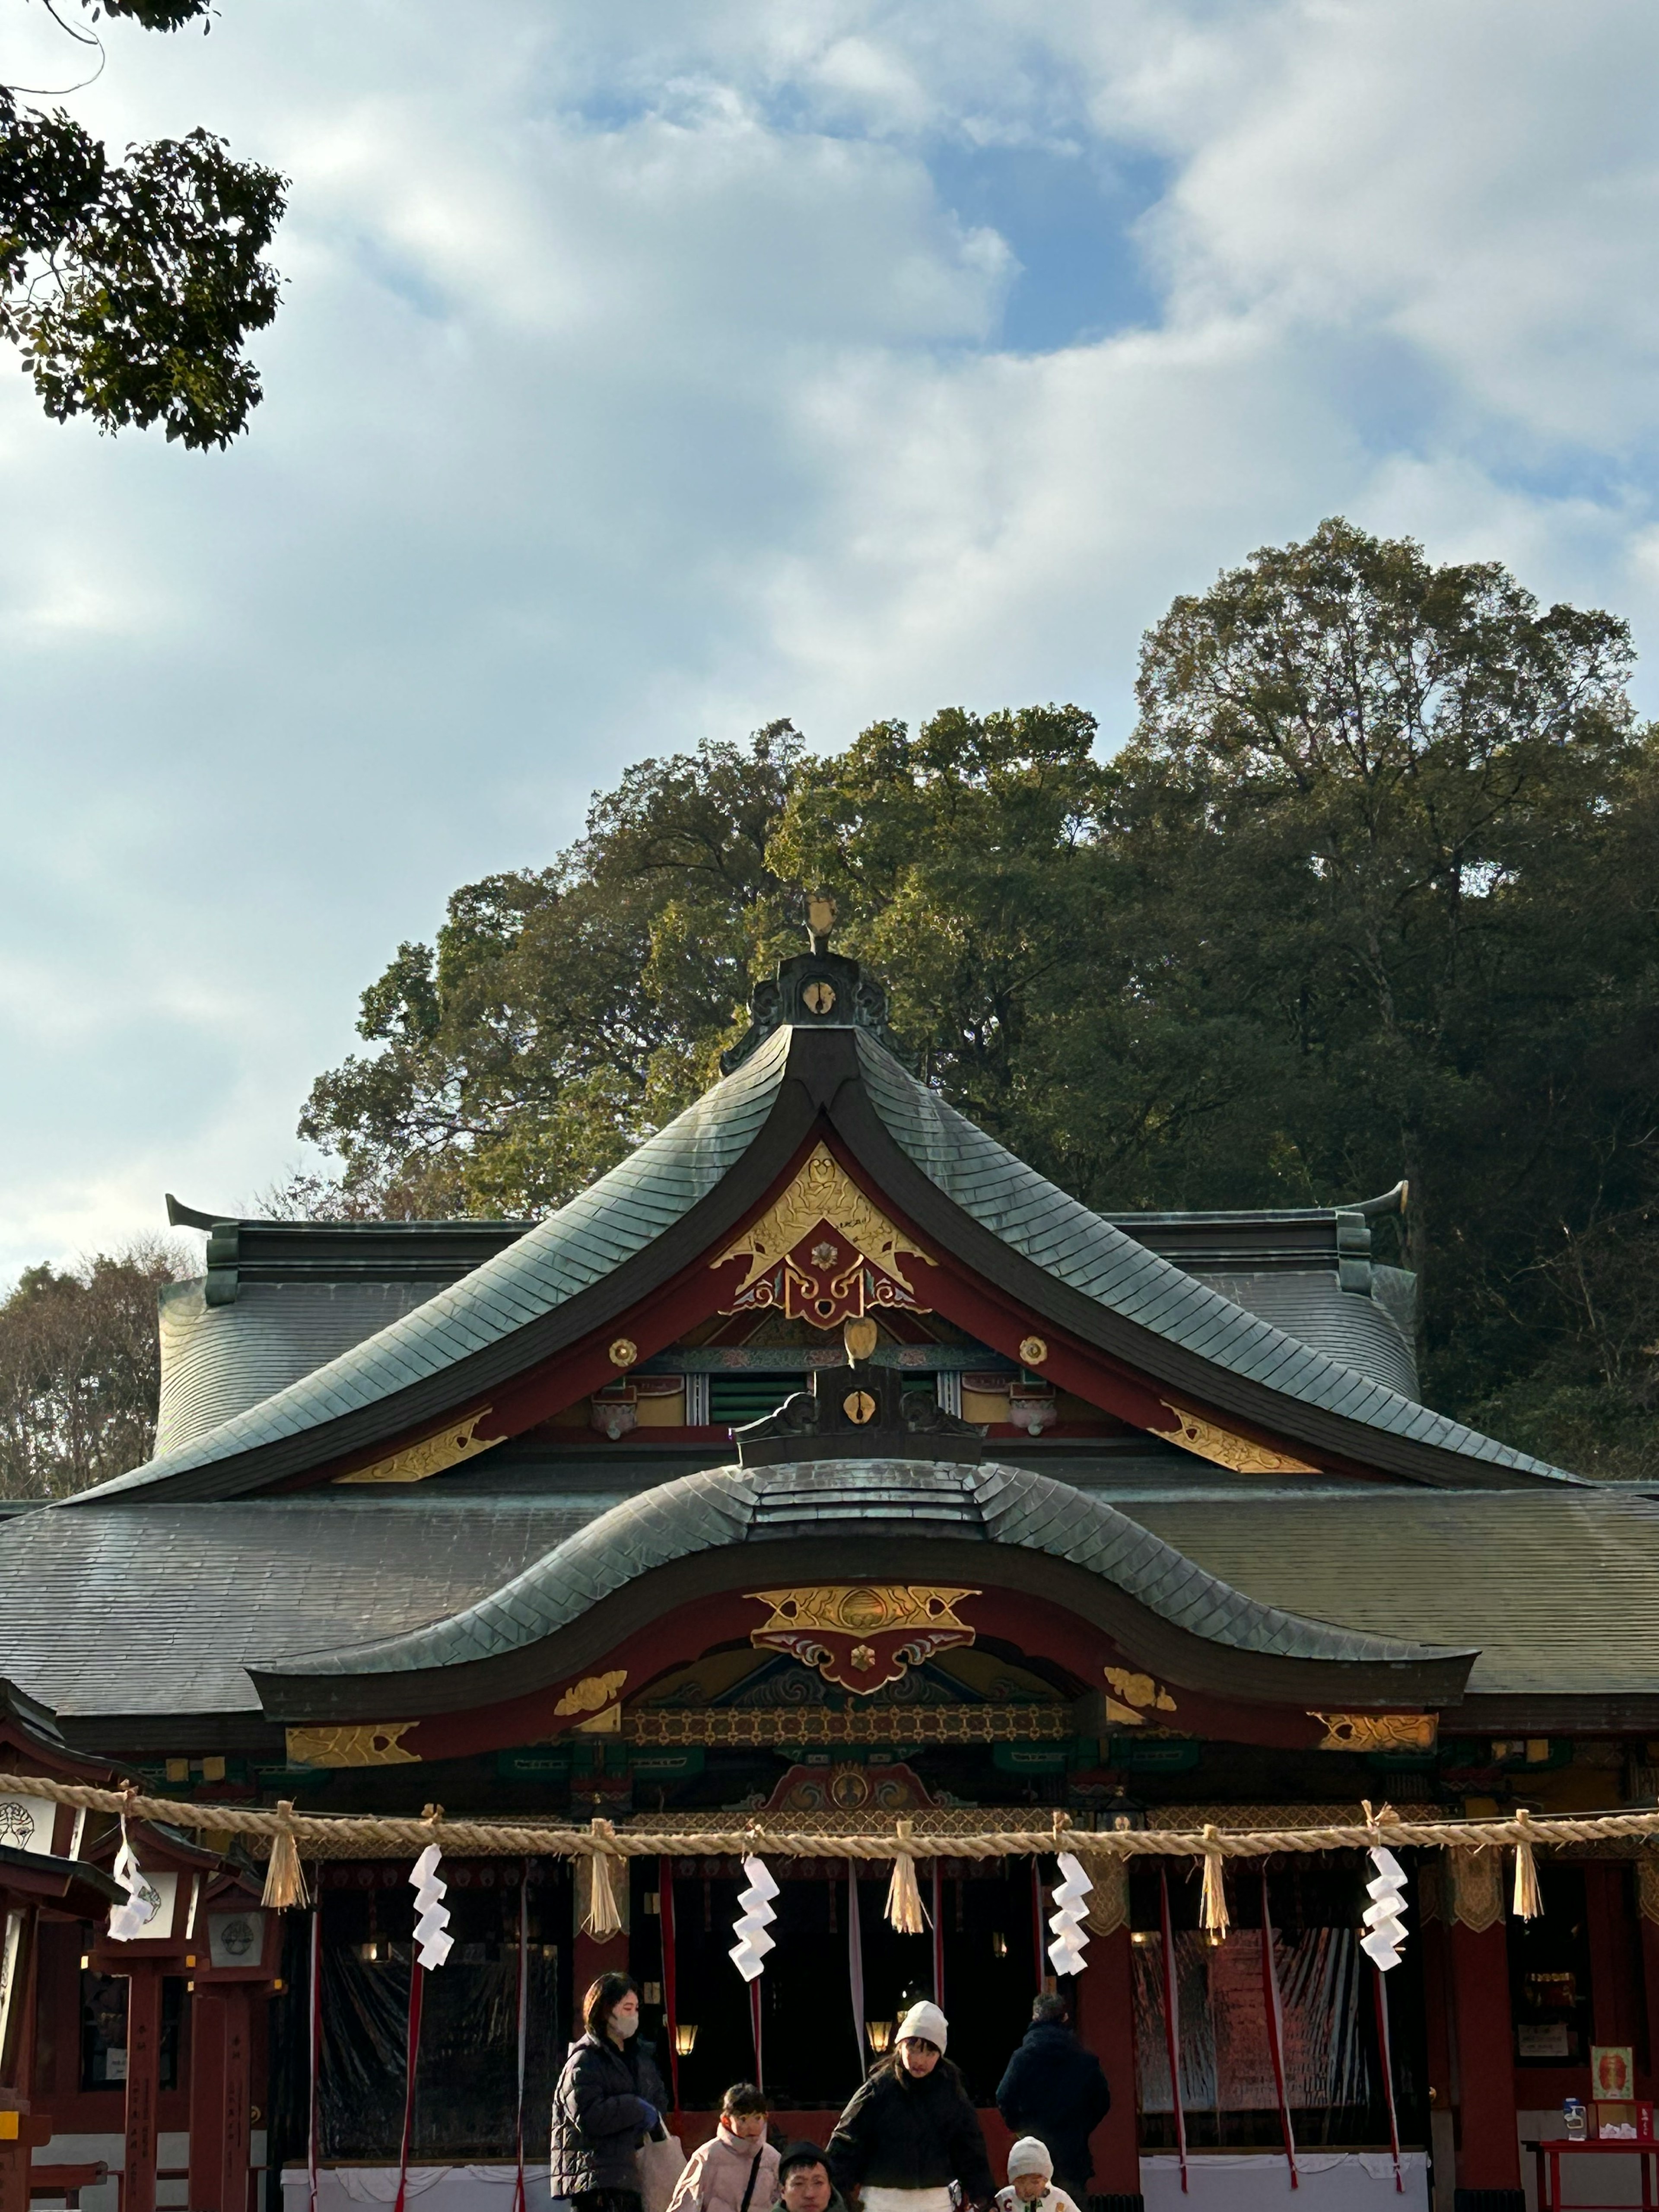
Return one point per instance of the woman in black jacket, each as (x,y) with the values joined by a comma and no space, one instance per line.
(911,2131)
(609,2098)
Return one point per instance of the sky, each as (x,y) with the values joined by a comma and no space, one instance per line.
(648,372)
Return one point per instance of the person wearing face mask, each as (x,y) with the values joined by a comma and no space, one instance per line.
(609,2098)
(911,2130)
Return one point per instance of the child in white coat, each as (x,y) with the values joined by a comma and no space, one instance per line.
(1031,2181)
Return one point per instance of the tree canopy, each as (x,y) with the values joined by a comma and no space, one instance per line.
(131,286)
(1369,892)
(79,1370)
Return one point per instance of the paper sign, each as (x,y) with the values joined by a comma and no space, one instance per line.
(236,1939)
(160,1894)
(26,1823)
(1612,2071)
(11,1946)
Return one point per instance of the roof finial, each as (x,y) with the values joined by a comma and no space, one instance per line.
(820,920)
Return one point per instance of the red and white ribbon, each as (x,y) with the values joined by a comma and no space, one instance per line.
(1275,2013)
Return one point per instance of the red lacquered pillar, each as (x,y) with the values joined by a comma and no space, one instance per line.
(220,2079)
(1102,2001)
(1488,2147)
(143,2084)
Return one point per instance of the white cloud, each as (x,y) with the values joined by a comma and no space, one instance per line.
(639,377)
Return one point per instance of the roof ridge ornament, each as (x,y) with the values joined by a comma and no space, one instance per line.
(858,1412)
(815,989)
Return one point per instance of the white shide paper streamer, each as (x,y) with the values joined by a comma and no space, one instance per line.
(749,1952)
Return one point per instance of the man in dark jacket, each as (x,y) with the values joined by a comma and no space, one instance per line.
(1054,2090)
(804,2183)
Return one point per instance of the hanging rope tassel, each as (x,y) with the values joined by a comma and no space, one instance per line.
(285,1881)
(904,1910)
(599,1915)
(1212,1905)
(1529,1902)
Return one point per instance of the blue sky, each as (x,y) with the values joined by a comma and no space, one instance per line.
(648,372)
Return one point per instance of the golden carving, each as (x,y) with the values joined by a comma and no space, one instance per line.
(824,1288)
(1647,1887)
(1477,1888)
(862,1637)
(860,1338)
(1208,1440)
(859,1408)
(592,1693)
(623,1352)
(820,997)
(1033,1351)
(363,1743)
(1377,1731)
(818,1724)
(414,1463)
(862,1608)
(1134,1696)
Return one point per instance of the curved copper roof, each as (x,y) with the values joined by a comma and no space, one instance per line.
(630,1229)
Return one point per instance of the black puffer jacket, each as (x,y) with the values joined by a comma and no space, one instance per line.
(602,2108)
(901,2131)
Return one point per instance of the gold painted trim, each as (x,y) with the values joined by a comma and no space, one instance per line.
(1131,1696)
(900,1725)
(822,1190)
(1209,1440)
(862,1608)
(1377,1731)
(448,1448)
(592,1693)
(361,1744)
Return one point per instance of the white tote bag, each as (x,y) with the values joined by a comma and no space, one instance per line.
(661,2165)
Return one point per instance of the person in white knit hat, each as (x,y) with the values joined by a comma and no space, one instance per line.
(911,2131)
(1031,2181)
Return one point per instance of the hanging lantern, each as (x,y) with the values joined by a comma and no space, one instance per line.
(685,2037)
(879,2035)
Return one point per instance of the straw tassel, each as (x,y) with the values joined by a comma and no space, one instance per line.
(600,1915)
(285,1881)
(1529,1902)
(1213,1907)
(904,1910)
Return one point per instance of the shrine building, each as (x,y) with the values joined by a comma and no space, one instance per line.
(1137,1518)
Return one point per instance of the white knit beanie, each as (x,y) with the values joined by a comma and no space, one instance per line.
(925,2021)
(1029,2156)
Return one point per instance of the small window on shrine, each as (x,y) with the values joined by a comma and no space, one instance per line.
(1549,1974)
(740,1397)
(103,2031)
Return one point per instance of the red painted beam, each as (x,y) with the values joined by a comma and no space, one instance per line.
(678,1639)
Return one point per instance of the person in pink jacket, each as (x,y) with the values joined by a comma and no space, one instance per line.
(737,2171)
